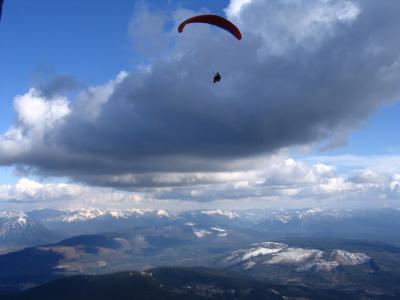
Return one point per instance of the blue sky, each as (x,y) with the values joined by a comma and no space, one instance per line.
(379,134)
(84,39)
(89,41)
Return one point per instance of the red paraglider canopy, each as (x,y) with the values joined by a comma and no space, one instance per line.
(213,20)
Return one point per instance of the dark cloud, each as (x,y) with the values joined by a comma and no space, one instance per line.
(311,83)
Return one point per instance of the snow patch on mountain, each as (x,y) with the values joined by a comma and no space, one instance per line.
(294,256)
(163,213)
(219,212)
(283,218)
(219,229)
(249,265)
(201,233)
(345,258)
(309,212)
(82,215)
(258,250)
(214,230)
(124,214)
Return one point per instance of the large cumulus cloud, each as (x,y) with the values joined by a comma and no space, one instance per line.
(305,72)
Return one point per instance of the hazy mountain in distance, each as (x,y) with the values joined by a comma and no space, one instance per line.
(49,226)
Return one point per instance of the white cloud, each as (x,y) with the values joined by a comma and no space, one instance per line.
(276,180)
(90,102)
(395,183)
(30,194)
(39,114)
(288,23)
(334,185)
(370,176)
(36,116)
(377,163)
(322,169)
(286,179)
(234,8)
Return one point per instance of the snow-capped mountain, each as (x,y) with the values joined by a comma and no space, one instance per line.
(12,223)
(221,213)
(17,229)
(87,221)
(260,216)
(84,215)
(209,218)
(264,255)
(90,221)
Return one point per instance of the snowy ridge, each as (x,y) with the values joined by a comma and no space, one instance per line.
(294,256)
(20,218)
(345,258)
(270,253)
(307,220)
(278,217)
(258,250)
(82,215)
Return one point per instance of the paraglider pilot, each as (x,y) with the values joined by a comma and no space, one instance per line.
(216,21)
(217,77)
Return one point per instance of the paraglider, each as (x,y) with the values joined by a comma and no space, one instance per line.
(216,21)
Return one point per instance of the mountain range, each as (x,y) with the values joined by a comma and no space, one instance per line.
(24,229)
(343,264)
(311,249)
